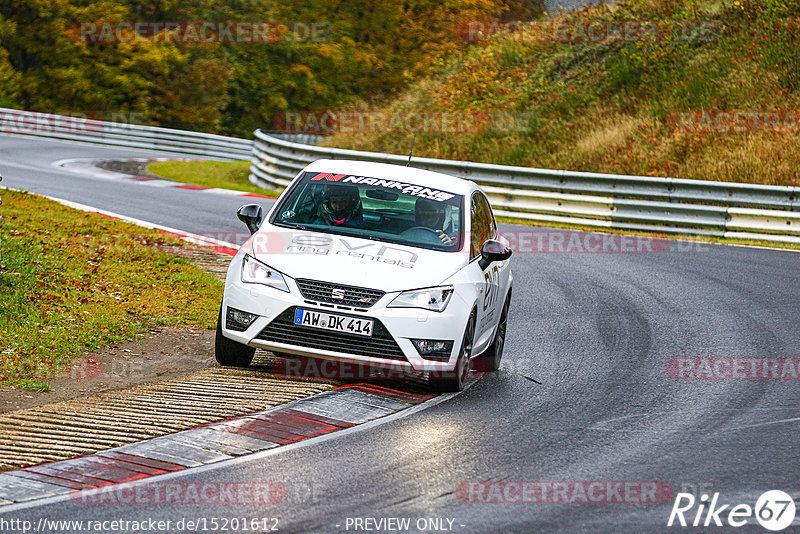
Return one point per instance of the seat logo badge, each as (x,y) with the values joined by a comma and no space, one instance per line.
(338,294)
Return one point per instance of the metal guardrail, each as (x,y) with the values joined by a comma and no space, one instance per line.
(115,134)
(666,205)
(652,204)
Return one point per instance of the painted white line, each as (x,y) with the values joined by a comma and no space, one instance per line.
(763,237)
(88,167)
(760,247)
(792,420)
(186,236)
(156,183)
(229,192)
(602,425)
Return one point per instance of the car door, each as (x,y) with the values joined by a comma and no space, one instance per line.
(482,229)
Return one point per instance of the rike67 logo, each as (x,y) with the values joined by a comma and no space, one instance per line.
(774,510)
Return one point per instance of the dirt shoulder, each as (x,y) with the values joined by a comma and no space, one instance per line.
(161,354)
(164,354)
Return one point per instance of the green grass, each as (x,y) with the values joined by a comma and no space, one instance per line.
(73,281)
(613,106)
(220,174)
(33,385)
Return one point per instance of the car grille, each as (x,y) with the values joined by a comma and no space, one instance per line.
(380,345)
(358,297)
(437,358)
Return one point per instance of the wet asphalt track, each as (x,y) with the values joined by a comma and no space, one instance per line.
(583,393)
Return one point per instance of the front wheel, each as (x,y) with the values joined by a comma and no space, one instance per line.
(229,352)
(456,382)
(494,353)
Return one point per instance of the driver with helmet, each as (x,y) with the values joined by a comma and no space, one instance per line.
(341,206)
(431,214)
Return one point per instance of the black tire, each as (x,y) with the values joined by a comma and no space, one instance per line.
(456,380)
(229,352)
(494,353)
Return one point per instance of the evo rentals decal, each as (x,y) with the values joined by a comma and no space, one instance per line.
(379,253)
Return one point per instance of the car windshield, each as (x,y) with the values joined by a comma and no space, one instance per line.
(374,208)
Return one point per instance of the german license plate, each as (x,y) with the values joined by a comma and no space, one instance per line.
(331,321)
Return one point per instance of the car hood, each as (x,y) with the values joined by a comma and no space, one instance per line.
(352,261)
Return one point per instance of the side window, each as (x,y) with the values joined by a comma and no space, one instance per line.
(491,231)
(473,231)
(483,226)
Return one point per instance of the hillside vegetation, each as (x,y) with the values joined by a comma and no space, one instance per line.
(631,106)
(86,58)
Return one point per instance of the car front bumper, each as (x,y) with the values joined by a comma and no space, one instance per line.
(270,329)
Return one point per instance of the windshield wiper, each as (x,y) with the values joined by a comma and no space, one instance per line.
(289,225)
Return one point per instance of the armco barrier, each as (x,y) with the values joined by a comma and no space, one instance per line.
(114,134)
(665,205)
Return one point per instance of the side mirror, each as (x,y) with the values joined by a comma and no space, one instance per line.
(251,215)
(493,251)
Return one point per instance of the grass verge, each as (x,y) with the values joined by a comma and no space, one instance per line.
(73,281)
(221,174)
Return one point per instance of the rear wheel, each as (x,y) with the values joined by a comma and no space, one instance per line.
(229,352)
(455,380)
(494,353)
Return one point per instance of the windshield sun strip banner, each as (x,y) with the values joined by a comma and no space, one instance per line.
(405,188)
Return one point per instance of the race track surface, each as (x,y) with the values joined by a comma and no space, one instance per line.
(26,163)
(584,394)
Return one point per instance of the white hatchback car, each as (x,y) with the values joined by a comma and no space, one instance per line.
(374,264)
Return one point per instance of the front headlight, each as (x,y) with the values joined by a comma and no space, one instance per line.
(255,272)
(432,298)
